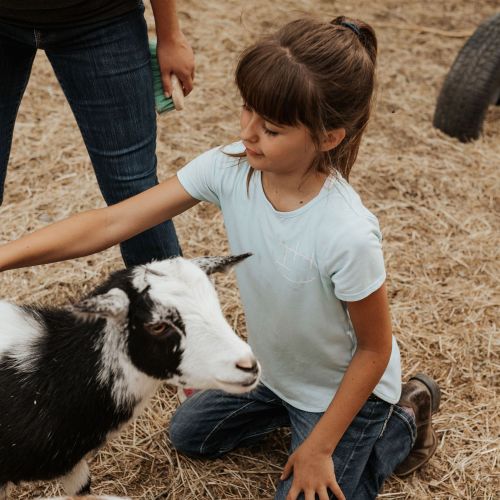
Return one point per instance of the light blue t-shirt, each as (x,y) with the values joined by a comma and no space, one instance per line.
(306,265)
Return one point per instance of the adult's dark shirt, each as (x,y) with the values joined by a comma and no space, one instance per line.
(62,13)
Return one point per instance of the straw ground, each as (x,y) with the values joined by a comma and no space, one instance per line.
(435,197)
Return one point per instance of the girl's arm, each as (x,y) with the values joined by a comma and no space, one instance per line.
(311,462)
(95,230)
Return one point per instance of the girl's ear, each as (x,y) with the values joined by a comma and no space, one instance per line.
(332,139)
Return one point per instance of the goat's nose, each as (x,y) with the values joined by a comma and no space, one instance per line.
(247,364)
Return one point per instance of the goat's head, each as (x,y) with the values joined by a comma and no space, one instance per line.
(175,326)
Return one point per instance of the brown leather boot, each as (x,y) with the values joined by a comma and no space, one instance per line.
(422,394)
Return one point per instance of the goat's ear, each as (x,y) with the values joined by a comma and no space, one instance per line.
(219,264)
(112,304)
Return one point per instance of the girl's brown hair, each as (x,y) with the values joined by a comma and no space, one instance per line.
(318,74)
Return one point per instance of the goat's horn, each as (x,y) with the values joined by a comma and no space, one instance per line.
(219,264)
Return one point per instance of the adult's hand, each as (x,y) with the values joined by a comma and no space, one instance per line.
(175,56)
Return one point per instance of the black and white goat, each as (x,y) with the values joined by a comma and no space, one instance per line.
(70,377)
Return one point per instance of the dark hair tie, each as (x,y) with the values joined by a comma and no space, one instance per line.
(351,26)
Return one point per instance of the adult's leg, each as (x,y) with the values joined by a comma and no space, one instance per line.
(211,423)
(353,451)
(105,72)
(17,51)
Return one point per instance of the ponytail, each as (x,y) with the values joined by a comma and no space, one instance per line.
(363,31)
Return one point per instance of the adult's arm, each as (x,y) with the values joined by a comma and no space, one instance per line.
(174,52)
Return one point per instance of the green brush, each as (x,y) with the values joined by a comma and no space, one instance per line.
(163,103)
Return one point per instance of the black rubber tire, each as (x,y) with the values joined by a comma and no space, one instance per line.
(472,84)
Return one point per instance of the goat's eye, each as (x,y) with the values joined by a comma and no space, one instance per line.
(157,328)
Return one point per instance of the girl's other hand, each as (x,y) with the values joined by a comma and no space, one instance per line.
(313,473)
(175,55)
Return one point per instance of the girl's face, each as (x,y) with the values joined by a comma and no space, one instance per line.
(279,149)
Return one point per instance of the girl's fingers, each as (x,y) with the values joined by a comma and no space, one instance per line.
(335,489)
(310,495)
(293,493)
(323,494)
(286,471)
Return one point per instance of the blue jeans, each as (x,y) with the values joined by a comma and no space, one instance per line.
(212,423)
(105,73)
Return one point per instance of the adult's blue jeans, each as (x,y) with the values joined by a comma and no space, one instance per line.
(105,73)
(212,423)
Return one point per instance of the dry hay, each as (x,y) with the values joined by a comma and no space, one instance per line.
(87,497)
(435,198)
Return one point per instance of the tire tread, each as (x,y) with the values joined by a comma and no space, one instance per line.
(471,84)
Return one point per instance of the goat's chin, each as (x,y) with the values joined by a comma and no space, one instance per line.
(238,387)
(227,385)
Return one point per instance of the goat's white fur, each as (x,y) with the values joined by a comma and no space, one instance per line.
(75,480)
(4,492)
(19,332)
(132,384)
(189,291)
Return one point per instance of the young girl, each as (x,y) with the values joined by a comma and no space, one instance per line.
(313,291)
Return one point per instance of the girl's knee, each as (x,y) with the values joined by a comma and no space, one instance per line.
(189,436)
(183,436)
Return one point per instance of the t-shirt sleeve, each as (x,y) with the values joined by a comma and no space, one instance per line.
(356,262)
(201,177)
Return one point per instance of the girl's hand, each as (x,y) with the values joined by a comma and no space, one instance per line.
(175,55)
(313,473)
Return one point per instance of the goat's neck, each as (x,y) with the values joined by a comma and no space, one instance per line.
(129,385)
